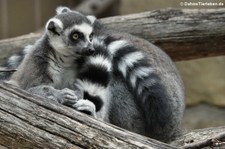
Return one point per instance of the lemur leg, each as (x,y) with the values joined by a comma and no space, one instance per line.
(65,96)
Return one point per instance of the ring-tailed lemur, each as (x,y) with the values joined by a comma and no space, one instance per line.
(146,93)
(58,65)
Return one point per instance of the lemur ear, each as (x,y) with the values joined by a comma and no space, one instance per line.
(91,18)
(61,9)
(54,26)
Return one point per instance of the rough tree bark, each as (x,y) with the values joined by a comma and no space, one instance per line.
(183,33)
(202,138)
(28,121)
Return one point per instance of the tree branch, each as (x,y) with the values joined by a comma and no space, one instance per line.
(199,138)
(28,121)
(183,33)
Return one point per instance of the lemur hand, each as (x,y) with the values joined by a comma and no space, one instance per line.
(68,97)
(65,96)
(85,106)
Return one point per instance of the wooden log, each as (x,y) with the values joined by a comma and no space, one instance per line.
(202,138)
(28,121)
(31,122)
(183,33)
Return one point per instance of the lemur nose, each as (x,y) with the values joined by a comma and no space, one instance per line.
(91,50)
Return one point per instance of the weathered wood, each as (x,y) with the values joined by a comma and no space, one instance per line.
(201,138)
(183,33)
(27,121)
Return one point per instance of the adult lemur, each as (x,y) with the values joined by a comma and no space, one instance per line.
(146,93)
(58,65)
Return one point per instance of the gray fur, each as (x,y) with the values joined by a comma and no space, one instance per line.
(49,68)
(52,61)
(124,112)
(14,61)
(160,117)
(71,18)
(65,96)
(68,97)
(155,115)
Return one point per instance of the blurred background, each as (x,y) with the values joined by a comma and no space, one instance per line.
(204,78)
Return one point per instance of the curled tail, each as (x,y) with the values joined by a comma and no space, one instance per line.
(146,85)
(94,76)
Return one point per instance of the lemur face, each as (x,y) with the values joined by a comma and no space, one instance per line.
(71,33)
(80,37)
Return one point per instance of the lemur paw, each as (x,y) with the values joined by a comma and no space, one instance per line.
(68,97)
(85,106)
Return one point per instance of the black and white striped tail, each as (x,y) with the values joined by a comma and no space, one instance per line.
(141,77)
(94,77)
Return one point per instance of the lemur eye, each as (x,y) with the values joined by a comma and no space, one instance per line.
(91,37)
(75,36)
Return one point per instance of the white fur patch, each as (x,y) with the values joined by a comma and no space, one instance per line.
(128,61)
(27,49)
(13,60)
(116,45)
(140,73)
(62,9)
(91,88)
(57,43)
(58,24)
(101,60)
(91,18)
(97,90)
